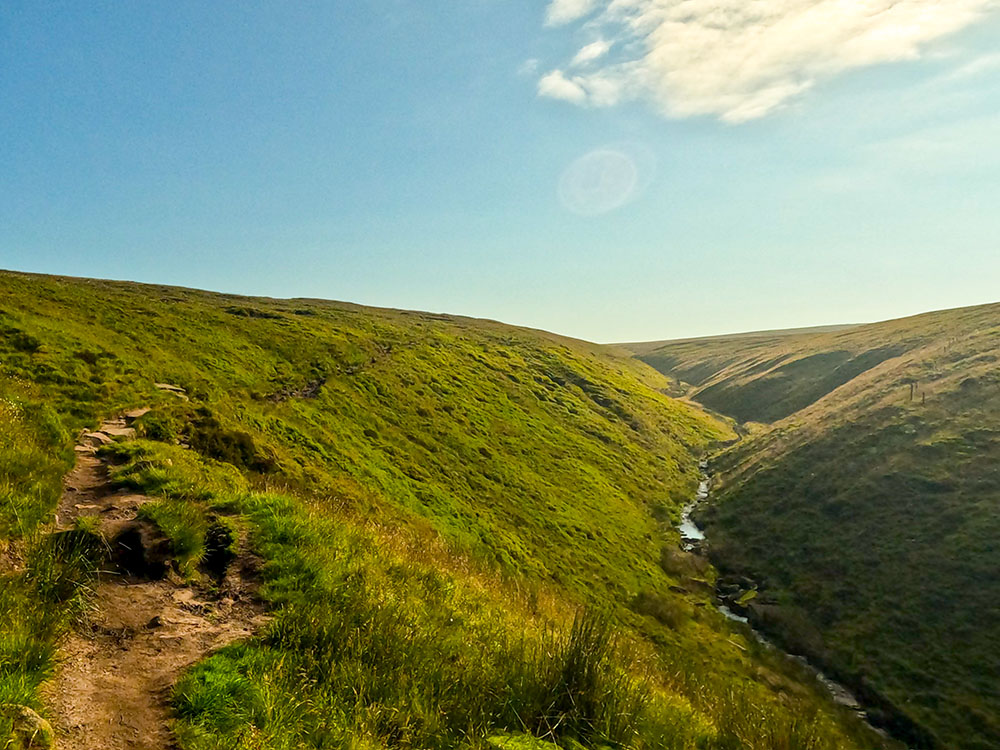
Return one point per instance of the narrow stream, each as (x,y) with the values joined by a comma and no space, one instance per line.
(690,533)
(693,540)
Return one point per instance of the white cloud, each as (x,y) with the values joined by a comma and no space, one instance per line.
(741,59)
(591,52)
(600,89)
(556,85)
(561,12)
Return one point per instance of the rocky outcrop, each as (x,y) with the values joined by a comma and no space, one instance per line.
(109,432)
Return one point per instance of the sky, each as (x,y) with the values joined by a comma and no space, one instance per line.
(615,170)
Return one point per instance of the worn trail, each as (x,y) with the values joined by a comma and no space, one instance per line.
(112,688)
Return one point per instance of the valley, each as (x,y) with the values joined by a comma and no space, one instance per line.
(231,521)
(734,598)
(307,441)
(864,506)
(358,528)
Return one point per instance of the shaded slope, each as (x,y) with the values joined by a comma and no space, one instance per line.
(870,514)
(767,376)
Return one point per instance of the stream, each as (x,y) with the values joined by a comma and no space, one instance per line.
(691,535)
(693,540)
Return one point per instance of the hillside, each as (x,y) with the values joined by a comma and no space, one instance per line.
(868,509)
(369,528)
(763,377)
(642,348)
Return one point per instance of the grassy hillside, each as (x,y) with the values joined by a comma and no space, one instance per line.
(764,377)
(461,528)
(870,513)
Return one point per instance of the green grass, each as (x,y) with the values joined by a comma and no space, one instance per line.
(507,441)
(40,595)
(386,640)
(871,512)
(433,499)
(37,606)
(385,652)
(33,458)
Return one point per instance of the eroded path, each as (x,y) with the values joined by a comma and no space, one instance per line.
(112,688)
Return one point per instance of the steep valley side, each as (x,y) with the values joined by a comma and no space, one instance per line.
(865,505)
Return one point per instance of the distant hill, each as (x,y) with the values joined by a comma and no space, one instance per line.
(458,531)
(868,508)
(764,377)
(645,347)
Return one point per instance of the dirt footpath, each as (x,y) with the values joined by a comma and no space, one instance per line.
(112,688)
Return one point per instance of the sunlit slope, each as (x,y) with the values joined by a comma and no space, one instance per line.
(871,514)
(443,492)
(509,441)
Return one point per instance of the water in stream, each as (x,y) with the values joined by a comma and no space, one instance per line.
(692,538)
(690,533)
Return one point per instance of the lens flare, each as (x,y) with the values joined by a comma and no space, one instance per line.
(601,181)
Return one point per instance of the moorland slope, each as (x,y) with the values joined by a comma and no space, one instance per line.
(867,507)
(459,532)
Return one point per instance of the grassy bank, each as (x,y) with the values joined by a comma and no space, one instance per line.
(383,638)
(43,580)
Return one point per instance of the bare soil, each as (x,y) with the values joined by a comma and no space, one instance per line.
(112,688)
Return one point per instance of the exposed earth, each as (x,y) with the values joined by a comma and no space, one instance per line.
(112,688)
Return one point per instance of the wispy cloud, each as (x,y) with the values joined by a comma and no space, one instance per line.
(741,59)
(960,146)
(963,148)
(529,67)
(561,12)
(981,65)
(591,52)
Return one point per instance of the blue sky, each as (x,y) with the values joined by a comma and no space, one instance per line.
(632,170)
